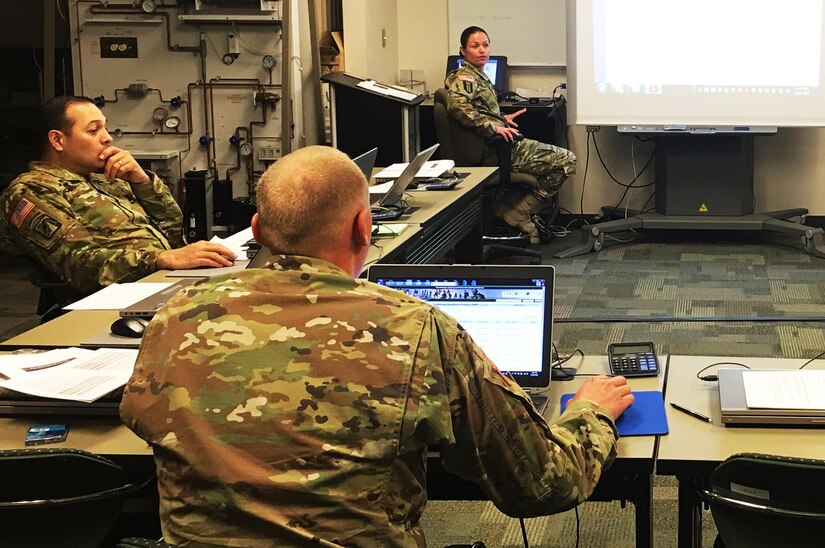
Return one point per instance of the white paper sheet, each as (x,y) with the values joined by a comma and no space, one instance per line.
(389,91)
(236,242)
(794,389)
(15,365)
(85,377)
(118,296)
(381,188)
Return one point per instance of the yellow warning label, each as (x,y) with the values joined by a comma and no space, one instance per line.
(703,208)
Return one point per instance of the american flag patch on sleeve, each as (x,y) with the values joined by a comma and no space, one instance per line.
(24,207)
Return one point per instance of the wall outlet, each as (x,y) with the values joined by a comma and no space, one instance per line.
(268,154)
(593,129)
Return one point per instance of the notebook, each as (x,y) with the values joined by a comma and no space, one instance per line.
(147,307)
(735,411)
(387,207)
(507,309)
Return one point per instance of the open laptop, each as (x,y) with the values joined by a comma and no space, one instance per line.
(387,207)
(146,308)
(366,162)
(735,410)
(508,310)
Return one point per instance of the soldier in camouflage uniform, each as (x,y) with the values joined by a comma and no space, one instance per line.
(293,405)
(89,213)
(474,104)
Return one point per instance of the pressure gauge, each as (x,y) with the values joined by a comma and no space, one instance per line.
(172,122)
(245,149)
(160,114)
(149,6)
(268,62)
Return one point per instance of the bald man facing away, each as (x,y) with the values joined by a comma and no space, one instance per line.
(293,405)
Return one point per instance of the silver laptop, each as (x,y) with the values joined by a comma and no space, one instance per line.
(735,410)
(366,162)
(392,199)
(508,310)
(146,308)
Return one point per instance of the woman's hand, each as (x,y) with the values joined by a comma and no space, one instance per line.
(510,117)
(509,134)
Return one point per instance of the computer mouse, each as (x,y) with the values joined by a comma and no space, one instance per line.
(129,327)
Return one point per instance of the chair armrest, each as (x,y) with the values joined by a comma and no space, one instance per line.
(504,149)
(713,497)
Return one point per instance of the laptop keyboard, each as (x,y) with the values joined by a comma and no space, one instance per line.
(386,213)
(540,402)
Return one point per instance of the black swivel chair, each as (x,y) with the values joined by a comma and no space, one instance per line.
(54,294)
(59,497)
(466,148)
(765,501)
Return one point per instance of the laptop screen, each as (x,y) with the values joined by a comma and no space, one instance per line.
(508,310)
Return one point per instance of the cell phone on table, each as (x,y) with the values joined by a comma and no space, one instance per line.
(49,433)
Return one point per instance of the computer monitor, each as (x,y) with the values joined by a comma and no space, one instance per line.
(495,69)
(507,309)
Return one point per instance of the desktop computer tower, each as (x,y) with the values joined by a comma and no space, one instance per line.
(704,175)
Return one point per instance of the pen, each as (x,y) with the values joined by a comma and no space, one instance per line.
(46,365)
(699,416)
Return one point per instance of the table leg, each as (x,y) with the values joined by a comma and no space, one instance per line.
(690,513)
(644,514)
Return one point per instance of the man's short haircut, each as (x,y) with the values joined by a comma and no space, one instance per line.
(53,115)
(304,198)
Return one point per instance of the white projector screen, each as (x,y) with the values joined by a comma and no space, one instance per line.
(695,65)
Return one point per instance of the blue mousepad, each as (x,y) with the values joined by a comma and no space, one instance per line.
(646,417)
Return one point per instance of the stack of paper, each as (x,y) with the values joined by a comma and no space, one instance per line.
(785,389)
(68,373)
(389,91)
(436,168)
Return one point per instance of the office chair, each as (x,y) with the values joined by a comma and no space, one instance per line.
(766,501)
(59,497)
(54,294)
(466,148)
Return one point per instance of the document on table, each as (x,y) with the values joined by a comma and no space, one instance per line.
(236,242)
(117,296)
(381,188)
(69,373)
(794,389)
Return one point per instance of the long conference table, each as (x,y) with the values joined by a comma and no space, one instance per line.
(446,220)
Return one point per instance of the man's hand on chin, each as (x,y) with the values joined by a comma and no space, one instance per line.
(120,164)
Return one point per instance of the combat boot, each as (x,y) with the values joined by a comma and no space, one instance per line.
(520,213)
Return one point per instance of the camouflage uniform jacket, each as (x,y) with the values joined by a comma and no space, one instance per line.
(293,405)
(89,231)
(473,100)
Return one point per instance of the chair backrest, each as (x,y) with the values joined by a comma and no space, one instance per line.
(458,143)
(768,501)
(61,497)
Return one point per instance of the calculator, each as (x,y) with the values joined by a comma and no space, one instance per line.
(633,359)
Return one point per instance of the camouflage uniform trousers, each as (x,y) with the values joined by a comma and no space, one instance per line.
(551,165)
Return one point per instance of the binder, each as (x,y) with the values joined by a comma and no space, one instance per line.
(646,417)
